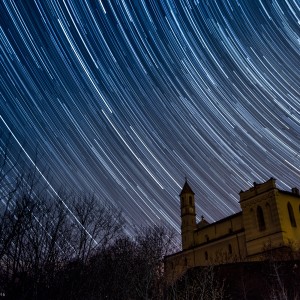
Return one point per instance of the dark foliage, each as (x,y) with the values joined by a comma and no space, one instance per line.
(277,280)
(59,246)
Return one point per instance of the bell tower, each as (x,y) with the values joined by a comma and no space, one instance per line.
(188,216)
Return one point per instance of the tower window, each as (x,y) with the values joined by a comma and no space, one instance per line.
(190,201)
(291,215)
(260,218)
(229,249)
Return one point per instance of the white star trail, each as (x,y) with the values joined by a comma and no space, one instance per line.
(125,98)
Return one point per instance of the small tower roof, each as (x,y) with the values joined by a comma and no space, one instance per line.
(202,223)
(186,189)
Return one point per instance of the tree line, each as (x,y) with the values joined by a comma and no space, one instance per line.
(68,246)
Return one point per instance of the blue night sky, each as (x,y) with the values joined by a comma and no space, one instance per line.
(125,98)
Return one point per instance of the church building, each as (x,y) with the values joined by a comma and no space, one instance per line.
(269,222)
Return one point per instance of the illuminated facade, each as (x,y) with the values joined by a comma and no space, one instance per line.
(269,221)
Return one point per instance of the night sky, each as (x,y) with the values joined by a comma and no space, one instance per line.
(125,99)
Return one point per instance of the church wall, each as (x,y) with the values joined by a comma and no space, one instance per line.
(175,265)
(289,217)
(227,250)
(270,223)
(257,249)
(258,189)
(218,229)
(261,218)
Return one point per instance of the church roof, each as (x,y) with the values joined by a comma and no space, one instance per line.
(186,189)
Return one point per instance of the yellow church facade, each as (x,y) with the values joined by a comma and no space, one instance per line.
(269,221)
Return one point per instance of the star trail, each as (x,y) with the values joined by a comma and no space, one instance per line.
(125,98)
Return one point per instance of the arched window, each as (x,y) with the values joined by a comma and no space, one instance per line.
(229,249)
(206,255)
(190,201)
(260,218)
(185,261)
(291,215)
